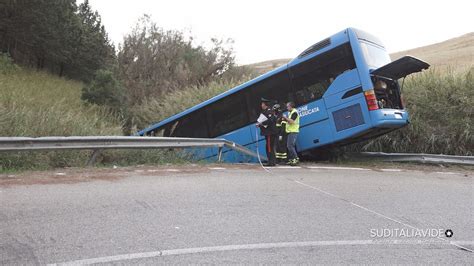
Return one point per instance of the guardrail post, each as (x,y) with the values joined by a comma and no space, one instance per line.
(219,155)
(93,157)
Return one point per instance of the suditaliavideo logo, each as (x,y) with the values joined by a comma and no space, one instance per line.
(410,233)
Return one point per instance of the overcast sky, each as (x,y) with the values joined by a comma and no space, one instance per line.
(264,30)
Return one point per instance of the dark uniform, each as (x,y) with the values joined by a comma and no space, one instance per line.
(282,136)
(281,150)
(269,131)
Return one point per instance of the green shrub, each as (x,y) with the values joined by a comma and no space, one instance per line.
(104,90)
(6,64)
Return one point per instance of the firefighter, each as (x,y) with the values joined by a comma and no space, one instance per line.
(281,154)
(267,124)
(292,129)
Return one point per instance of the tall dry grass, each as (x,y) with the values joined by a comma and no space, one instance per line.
(38,104)
(441,108)
(157,109)
(35,104)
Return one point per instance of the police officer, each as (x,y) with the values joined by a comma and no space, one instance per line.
(268,129)
(281,154)
(292,129)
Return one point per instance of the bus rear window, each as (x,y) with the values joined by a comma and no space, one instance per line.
(374,56)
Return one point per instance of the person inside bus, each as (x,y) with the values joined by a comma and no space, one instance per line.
(267,124)
(292,129)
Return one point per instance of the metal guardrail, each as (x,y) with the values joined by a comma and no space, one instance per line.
(97,143)
(415,157)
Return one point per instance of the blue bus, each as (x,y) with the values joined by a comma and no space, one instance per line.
(345,88)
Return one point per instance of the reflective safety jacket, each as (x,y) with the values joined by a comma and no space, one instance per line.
(295,127)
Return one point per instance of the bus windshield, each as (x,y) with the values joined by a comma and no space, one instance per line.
(374,56)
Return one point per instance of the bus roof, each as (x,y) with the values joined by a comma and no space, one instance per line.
(334,40)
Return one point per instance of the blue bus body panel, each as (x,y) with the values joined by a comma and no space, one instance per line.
(349,119)
(314,135)
(312,112)
(314,126)
(344,81)
(361,64)
(336,40)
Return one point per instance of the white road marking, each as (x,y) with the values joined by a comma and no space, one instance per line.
(185,251)
(446,173)
(338,168)
(216,168)
(379,214)
(172,170)
(286,167)
(463,242)
(60,174)
(390,170)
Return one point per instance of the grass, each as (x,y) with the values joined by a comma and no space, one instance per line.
(155,110)
(35,104)
(38,104)
(441,108)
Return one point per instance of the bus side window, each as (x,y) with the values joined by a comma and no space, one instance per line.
(277,87)
(228,114)
(193,125)
(311,79)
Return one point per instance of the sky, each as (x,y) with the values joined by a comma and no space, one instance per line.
(265,30)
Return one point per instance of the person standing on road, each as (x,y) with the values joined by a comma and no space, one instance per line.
(292,129)
(267,124)
(281,150)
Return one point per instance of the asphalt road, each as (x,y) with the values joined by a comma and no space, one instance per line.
(229,214)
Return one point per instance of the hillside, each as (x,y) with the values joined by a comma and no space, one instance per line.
(457,53)
(265,66)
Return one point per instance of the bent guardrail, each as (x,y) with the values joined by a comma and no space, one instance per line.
(97,143)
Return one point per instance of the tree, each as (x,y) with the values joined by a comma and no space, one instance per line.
(55,35)
(153,61)
(93,50)
(104,90)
